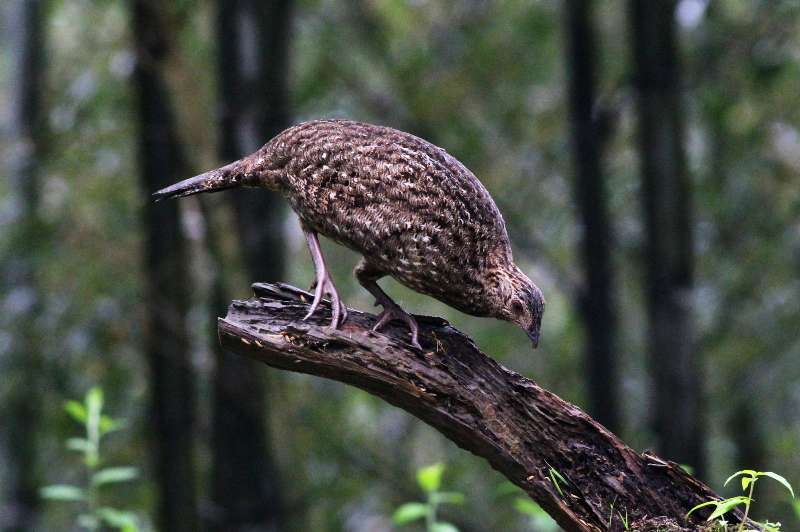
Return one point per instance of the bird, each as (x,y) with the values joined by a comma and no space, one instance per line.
(409,208)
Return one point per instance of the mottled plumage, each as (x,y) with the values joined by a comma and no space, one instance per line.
(412,210)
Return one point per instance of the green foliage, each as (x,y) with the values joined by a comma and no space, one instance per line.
(96,425)
(429,479)
(485,80)
(623,517)
(556,478)
(749,478)
(537,519)
(63,492)
(409,512)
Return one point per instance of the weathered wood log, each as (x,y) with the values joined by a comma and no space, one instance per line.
(526,433)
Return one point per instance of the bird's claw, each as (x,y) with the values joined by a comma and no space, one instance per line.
(394,312)
(323,287)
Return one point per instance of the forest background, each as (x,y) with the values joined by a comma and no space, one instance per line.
(645,156)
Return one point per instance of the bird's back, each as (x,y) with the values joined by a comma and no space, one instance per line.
(412,210)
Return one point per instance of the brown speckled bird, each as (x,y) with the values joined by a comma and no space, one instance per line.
(411,209)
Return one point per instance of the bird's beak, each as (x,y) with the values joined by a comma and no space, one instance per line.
(534,336)
(229,176)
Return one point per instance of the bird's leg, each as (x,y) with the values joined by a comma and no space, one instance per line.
(367,276)
(324,283)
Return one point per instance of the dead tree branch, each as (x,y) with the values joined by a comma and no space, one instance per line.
(526,433)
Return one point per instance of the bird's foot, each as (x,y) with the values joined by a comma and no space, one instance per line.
(324,286)
(392,311)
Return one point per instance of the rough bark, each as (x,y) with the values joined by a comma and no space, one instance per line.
(253,41)
(166,292)
(523,431)
(674,362)
(20,406)
(595,299)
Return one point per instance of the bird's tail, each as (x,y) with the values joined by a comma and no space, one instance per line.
(232,175)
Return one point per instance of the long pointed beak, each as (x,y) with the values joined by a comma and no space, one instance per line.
(534,336)
(228,176)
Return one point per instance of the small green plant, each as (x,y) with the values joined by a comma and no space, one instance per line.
(556,478)
(748,480)
(97,425)
(429,478)
(623,518)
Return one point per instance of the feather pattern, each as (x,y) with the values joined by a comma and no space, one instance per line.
(413,210)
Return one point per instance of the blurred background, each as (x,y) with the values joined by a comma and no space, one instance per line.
(645,156)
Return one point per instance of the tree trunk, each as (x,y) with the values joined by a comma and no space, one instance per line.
(678,418)
(166,292)
(595,298)
(567,462)
(21,405)
(253,41)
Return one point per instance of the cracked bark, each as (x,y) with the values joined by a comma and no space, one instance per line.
(521,429)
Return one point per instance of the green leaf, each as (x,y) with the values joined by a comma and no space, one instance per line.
(108,424)
(748,472)
(125,521)
(62,492)
(78,444)
(775,476)
(76,411)
(558,475)
(114,474)
(746,482)
(528,507)
(430,478)
(727,505)
(410,511)
(447,497)
(443,527)
(624,519)
(702,505)
(556,478)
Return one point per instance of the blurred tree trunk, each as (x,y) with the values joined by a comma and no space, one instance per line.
(595,298)
(21,404)
(678,417)
(253,41)
(167,285)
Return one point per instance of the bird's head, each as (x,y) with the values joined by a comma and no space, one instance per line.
(521,301)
